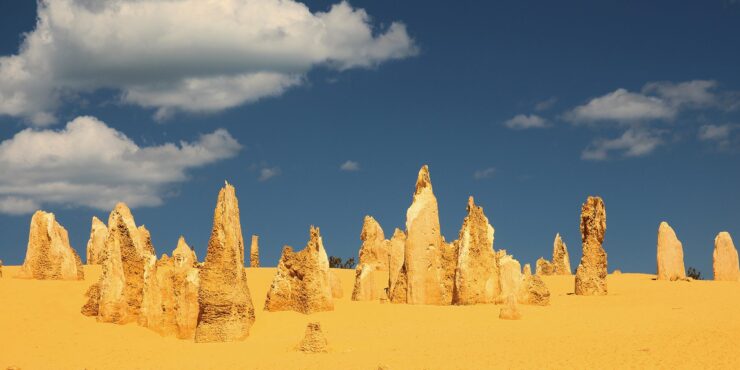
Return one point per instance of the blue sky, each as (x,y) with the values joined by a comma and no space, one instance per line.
(528,106)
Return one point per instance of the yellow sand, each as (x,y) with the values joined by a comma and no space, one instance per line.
(641,324)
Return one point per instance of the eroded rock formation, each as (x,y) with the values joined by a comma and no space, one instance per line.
(302,282)
(669,254)
(314,340)
(423,249)
(725,258)
(544,267)
(336,285)
(476,274)
(254,252)
(591,272)
(365,285)
(48,254)
(395,261)
(96,243)
(510,275)
(226,312)
(510,311)
(374,249)
(178,280)
(560,264)
(533,290)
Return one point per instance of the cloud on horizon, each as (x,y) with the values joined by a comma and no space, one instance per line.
(634,142)
(350,166)
(89,164)
(185,55)
(524,121)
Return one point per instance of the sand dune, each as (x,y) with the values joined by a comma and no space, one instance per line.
(641,323)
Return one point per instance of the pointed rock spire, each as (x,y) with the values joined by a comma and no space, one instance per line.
(395,260)
(48,254)
(560,257)
(96,243)
(476,275)
(226,312)
(669,255)
(254,252)
(725,258)
(591,272)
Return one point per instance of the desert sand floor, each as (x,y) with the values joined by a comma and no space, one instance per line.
(642,323)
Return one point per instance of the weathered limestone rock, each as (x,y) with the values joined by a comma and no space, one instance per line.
(336,285)
(395,263)
(533,290)
(126,267)
(527,269)
(669,255)
(448,261)
(48,255)
(314,340)
(302,282)
(560,264)
(511,310)
(560,257)
(476,275)
(423,251)
(510,275)
(254,252)
(96,244)
(544,267)
(374,249)
(225,307)
(725,258)
(178,280)
(591,273)
(365,287)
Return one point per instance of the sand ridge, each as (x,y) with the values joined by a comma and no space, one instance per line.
(641,323)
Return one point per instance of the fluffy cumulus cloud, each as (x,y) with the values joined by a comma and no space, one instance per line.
(185,55)
(524,121)
(350,166)
(92,165)
(634,142)
(656,101)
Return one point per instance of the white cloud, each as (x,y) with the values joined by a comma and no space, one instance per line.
(714,132)
(484,173)
(633,143)
(90,164)
(545,104)
(350,166)
(656,101)
(268,173)
(188,55)
(523,122)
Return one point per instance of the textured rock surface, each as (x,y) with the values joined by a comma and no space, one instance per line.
(591,272)
(254,252)
(178,280)
(544,267)
(669,254)
(510,275)
(374,248)
(225,308)
(725,258)
(560,257)
(302,282)
(314,340)
(448,261)
(527,269)
(476,275)
(364,289)
(127,265)
(48,254)
(96,243)
(395,262)
(422,258)
(533,290)
(510,311)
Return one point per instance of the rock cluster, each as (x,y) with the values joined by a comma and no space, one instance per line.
(372,271)
(254,252)
(591,272)
(303,281)
(725,258)
(96,243)
(669,254)
(465,271)
(135,287)
(49,255)
(226,312)
(313,340)
(533,290)
(560,264)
